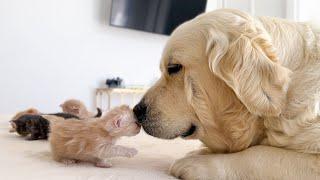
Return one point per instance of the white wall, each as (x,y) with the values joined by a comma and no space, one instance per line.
(51,50)
(299,10)
(309,10)
(275,8)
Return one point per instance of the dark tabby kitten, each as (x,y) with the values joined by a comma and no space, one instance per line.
(35,125)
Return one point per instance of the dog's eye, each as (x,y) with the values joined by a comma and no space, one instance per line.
(174,68)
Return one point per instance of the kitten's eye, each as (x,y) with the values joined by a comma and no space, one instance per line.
(174,68)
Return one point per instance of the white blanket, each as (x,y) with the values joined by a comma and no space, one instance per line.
(22,159)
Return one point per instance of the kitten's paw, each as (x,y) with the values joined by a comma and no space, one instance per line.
(103,164)
(43,137)
(202,151)
(131,152)
(32,138)
(69,161)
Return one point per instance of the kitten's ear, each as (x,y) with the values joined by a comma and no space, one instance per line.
(13,126)
(13,123)
(32,111)
(117,121)
(114,123)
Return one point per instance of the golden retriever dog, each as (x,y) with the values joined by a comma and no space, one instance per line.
(247,88)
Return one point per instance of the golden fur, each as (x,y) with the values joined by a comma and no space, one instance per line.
(245,81)
(93,140)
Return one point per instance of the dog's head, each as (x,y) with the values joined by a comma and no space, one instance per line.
(220,73)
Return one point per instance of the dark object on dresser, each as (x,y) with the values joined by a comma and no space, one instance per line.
(114,82)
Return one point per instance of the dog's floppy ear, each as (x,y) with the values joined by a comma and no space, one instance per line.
(249,65)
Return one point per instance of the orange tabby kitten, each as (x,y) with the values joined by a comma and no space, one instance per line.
(93,140)
(77,108)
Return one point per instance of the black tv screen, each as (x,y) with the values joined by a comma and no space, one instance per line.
(158,16)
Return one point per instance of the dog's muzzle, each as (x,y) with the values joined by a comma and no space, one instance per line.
(140,111)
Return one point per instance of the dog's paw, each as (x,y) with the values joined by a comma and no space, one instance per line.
(68,161)
(131,152)
(103,164)
(202,151)
(191,168)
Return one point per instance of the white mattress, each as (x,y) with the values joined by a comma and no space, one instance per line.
(22,159)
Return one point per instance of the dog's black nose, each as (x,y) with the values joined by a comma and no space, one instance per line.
(140,111)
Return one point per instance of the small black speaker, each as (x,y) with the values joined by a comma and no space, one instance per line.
(114,82)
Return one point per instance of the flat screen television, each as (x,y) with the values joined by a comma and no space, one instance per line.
(157,16)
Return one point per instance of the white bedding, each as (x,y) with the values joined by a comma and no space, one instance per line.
(22,159)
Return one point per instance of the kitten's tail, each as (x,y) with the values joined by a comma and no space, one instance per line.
(99,113)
